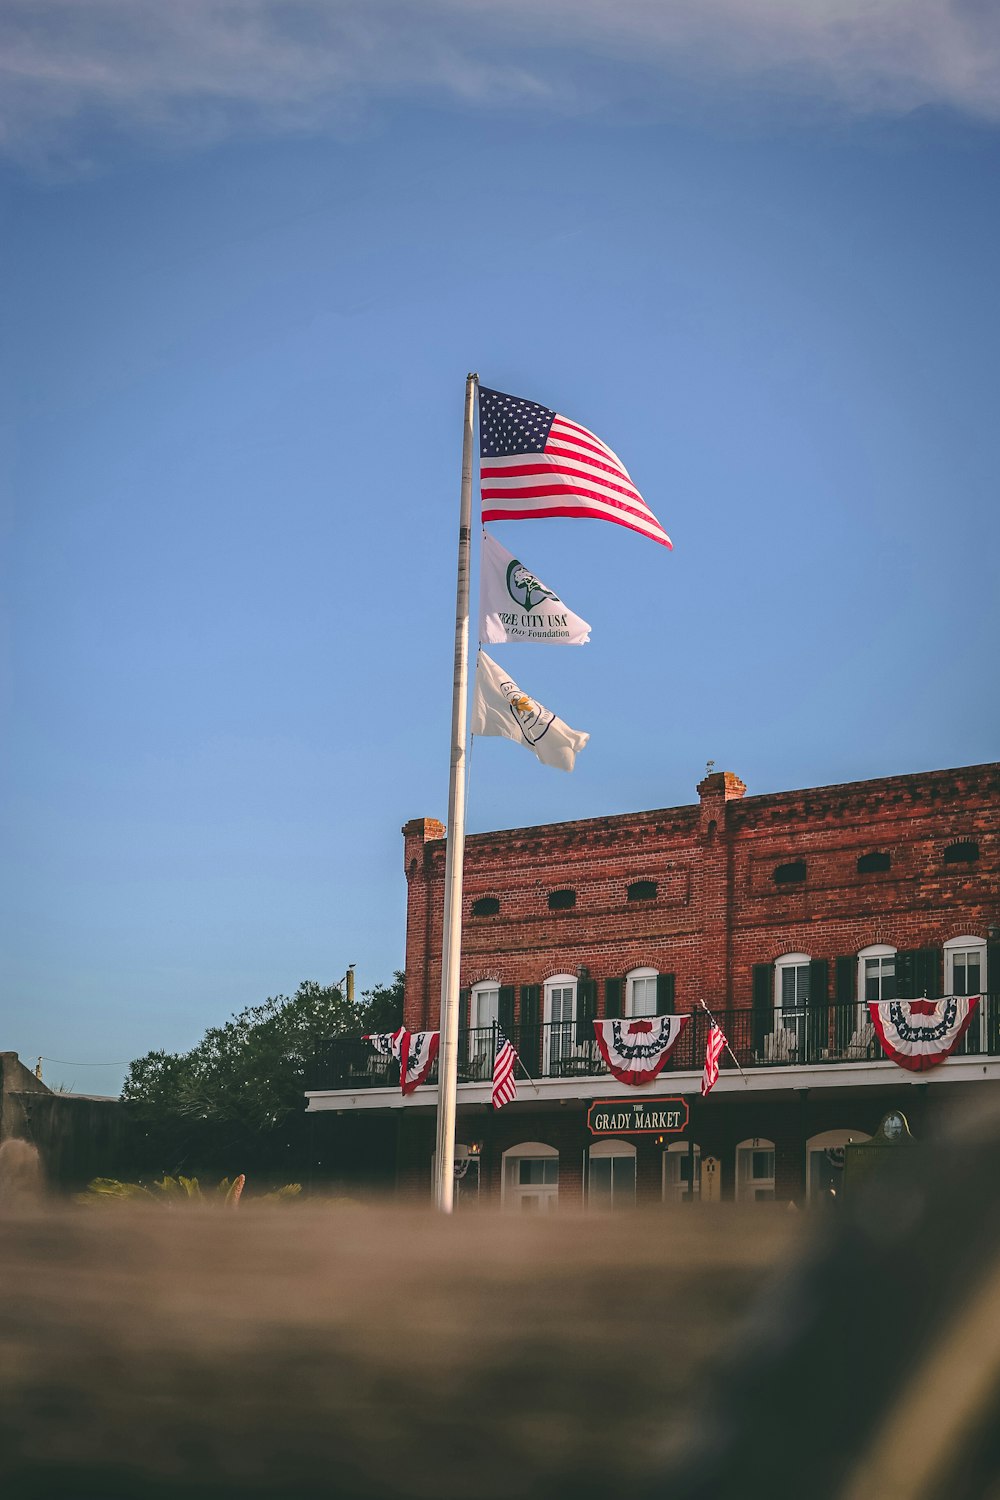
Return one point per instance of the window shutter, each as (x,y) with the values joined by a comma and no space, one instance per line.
(529,1048)
(991,987)
(464,1022)
(929,966)
(665,997)
(505,1008)
(907,963)
(613,997)
(819,1009)
(845,984)
(586,1010)
(763,1004)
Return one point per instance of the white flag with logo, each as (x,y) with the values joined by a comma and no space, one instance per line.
(500,708)
(514,605)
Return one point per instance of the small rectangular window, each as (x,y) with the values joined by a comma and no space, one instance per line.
(869,863)
(789,874)
(561,900)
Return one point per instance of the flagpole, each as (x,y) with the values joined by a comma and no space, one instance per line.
(451,944)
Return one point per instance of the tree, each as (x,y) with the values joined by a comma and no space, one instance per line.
(249,1073)
(382,1007)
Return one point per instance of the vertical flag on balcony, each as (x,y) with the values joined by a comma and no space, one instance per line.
(504,1062)
(714,1048)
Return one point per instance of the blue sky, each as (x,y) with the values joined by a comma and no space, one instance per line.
(250,255)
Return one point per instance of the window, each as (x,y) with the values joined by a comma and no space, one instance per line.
(561,900)
(965,966)
(640,992)
(486,906)
(530,1182)
(755,1171)
(876,974)
(869,863)
(611,1175)
(560,1027)
(641,890)
(677,1186)
(966,852)
(825,1162)
(791,873)
(484,1005)
(791,999)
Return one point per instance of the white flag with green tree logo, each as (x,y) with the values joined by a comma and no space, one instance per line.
(514,605)
(500,708)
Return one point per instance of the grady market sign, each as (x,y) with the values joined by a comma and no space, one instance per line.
(638,1116)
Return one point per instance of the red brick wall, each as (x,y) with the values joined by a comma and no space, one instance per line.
(717,910)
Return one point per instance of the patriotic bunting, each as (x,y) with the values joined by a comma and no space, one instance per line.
(416,1058)
(415,1051)
(919,1034)
(636,1050)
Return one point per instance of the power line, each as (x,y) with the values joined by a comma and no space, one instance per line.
(64,1064)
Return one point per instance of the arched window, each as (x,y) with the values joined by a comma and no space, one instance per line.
(965,966)
(530,1180)
(560,1025)
(677,1172)
(825,1162)
(611,1175)
(486,906)
(876,973)
(791,1000)
(755,1170)
(640,992)
(484,1005)
(641,890)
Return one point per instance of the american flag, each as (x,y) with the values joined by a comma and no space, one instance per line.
(713,1051)
(504,1061)
(534,462)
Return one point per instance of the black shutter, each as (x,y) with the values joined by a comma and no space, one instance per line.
(586,1010)
(530,1038)
(907,964)
(818,1040)
(464,1021)
(763,1005)
(845,983)
(665,998)
(929,966)
(990,996)
(613,997)
(505,1008)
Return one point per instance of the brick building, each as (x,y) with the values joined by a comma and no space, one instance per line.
(784,913)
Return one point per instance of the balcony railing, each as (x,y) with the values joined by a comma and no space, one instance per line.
(827,1035)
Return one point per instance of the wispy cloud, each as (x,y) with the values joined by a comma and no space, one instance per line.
(199,70)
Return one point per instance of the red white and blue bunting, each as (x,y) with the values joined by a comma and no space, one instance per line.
(415,1052)
(635,1050)
(919,1034)
(416,1058)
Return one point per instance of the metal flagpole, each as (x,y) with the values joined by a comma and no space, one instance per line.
(451,945)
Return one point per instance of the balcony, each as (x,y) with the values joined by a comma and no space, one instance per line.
(827,1036)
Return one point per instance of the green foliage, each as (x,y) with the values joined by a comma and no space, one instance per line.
(174,1190)
(248,1073)
(381,1008)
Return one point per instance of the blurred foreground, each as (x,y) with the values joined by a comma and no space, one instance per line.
(359,1351)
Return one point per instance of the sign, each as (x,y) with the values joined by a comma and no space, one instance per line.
(638,1116)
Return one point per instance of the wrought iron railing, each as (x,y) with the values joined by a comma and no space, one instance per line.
(780,1038)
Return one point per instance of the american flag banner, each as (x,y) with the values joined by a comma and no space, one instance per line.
(713,1051)
(533,462)
(504,1062)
